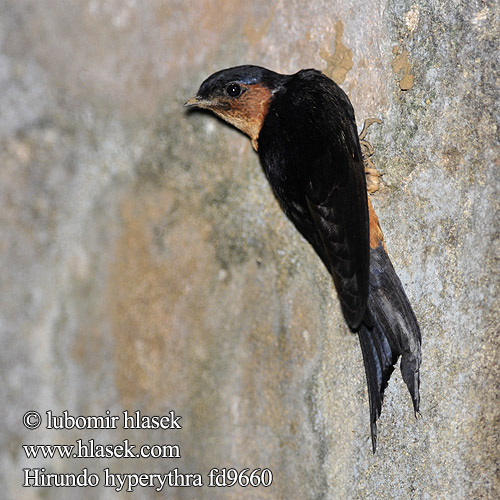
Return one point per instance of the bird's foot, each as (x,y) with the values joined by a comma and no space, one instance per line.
(372,174)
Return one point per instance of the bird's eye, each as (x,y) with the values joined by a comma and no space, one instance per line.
(233,90)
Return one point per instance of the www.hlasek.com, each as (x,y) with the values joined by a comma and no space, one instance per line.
(39,477)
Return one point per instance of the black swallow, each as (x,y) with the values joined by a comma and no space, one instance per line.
(304,130)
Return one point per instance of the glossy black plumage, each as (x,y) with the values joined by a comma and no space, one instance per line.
(304,128)
(309,149)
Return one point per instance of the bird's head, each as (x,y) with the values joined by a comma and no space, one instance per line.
(240,96)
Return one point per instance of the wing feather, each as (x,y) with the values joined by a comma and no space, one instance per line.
(310,153)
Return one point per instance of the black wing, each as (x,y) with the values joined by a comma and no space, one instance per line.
(310,152)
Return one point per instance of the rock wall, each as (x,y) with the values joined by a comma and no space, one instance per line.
(146,265)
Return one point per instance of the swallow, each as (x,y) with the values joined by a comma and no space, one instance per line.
(304,130)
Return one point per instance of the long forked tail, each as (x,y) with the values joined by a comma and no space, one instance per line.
(389,330)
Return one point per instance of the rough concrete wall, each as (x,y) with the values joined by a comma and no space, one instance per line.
(146,265)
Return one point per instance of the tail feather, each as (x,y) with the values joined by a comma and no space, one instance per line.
(390,330)
(379,360)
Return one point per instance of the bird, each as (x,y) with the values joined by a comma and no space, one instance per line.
(304,130)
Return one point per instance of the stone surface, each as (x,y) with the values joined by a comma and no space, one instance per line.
(146,265)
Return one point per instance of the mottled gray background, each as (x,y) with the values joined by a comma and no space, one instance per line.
(146,265)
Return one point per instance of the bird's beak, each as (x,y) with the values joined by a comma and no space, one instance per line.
(198,102)
(192,102)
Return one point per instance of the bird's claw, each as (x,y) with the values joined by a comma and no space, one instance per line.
(372,174)
(368,123)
